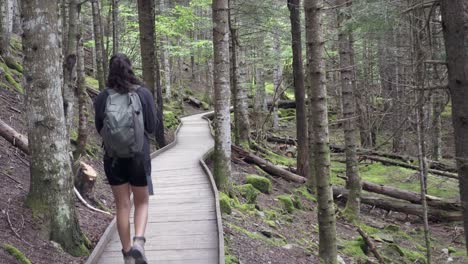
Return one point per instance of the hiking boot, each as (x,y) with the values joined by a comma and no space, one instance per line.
(138,250)
(128,259)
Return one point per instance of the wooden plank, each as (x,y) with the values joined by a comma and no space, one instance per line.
(112,257)
(175,243)
(181,207)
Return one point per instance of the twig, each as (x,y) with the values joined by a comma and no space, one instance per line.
(371,245)
(87,204)
(14,109)
(13,179)
(9,221)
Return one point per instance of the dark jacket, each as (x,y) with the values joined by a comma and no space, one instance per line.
(149,117)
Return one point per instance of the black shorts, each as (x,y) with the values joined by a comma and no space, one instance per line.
(127,170)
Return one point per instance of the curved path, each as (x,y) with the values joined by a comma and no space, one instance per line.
(183,224)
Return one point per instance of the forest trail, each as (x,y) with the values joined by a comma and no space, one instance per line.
(183,220)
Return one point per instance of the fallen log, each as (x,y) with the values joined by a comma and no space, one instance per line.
(409,166)
(412,197)
(193,101)
(267,166)
(436,165)
(402,207)
(16,139)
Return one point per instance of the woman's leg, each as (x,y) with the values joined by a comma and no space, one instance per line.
(122,201)
(140,199)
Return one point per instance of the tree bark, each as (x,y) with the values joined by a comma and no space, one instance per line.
(455,24)
(15,138)
(4,32)
(99,44)
(277,76)
(318,132)
(242,108)
(299,90)
(69,79)
(222,93)
(115,27)
(51,191)
(352,209)
(150,65)
(165,58)
(82,97)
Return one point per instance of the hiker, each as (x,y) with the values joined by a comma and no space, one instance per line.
(125,116)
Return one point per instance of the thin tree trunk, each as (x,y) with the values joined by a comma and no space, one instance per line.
(318,128)
(353,206)
(222,155)
(455,24)
(437,108)
(82,96)
(69,79)
(277,75)
(299,91)
(165,57)
(234,71)
(51,190)
(99,45)
(4,33)
(115,26)
(420,57)
(242,108)
(150,65)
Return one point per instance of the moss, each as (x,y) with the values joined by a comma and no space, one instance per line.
(304,193)
(91,82)
(205,106)
(355,248)
(225,203)
(73,135)
(414,256)
(271,214)
(282,113)
(170,120)
(230,259)
(13,64)
(286,202)
(297,202)
(260,183)
(16,253)
(10,79)
(368,229)
(280,159)
(248,192)
(257,236)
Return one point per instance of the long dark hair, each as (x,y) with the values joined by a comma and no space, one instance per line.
(121,76)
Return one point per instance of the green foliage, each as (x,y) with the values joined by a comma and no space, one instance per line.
(16,253)
(260,183)
(170,120)
(257,236)
(354,248)
(248,192)
(304,192)
(10,79)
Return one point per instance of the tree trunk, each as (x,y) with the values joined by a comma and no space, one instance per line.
(150,65)
(115,27)
(82,97)
(352,209)
(242,108)
(234,70)
(165,57)
(51,191)
(318,132)
(99,45)
(222,122)
(362,103)
(69,79)
(437,109)
(455,23)
(299,90)
(277,76)
(4,32)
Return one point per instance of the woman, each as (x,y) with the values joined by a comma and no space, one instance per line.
(126,175)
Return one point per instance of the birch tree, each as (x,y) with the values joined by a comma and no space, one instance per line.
(318,132)
(51,190)
(222,94)
(455,24)
(99,44)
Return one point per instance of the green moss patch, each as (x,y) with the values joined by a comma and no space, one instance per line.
(248,192)
(91,82)
(304,193)
(286,203)
(260,183)
(170,120)
(10,79)
(16,253)
(225,203)
(355,248)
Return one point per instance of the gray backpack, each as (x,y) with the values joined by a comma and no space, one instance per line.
(123,130)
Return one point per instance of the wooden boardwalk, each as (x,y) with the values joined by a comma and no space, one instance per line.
(184,219)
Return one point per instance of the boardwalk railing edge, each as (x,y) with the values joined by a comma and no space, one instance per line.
(99,248)
(216,194)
